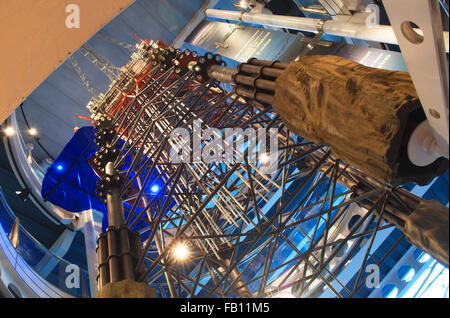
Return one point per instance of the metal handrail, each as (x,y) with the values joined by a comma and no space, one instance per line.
(8,213)
(28,178)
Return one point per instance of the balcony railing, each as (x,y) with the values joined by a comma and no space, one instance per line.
(33,269)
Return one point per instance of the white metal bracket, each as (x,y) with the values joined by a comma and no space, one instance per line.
(424,54)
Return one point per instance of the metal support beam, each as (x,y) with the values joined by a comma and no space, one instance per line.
(114,201)
(424,54)
(90,222)
(379,33)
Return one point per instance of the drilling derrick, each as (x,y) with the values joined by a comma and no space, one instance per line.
(265,214)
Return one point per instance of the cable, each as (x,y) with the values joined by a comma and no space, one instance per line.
(432,282)
(444,5)
(426,279)
(35,137)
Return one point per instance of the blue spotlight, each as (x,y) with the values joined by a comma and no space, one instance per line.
(60,167)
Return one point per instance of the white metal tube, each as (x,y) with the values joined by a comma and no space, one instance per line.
(294,23)
(379,33)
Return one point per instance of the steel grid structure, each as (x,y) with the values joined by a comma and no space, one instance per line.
(249,234)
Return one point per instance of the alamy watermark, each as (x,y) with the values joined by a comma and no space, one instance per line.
(373,19)
(373,277)
(229,145)
(73,17)
(72,279)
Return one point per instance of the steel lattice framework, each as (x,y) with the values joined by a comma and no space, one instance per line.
(249,234)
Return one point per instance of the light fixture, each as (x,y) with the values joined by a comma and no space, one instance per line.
(243,4)
(9,131)
(264,158)
(32,132)
(23,194)
(60,167)
(155,188)
(181,251)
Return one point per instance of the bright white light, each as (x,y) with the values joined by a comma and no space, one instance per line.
(264,158)
(32,132)
(9,131)
(180,252)
(154,188)
(243,4)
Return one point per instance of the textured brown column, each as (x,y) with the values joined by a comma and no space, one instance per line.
(360,112)
(126,289)
(427,228)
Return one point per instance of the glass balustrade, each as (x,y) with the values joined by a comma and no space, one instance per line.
(68,277)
